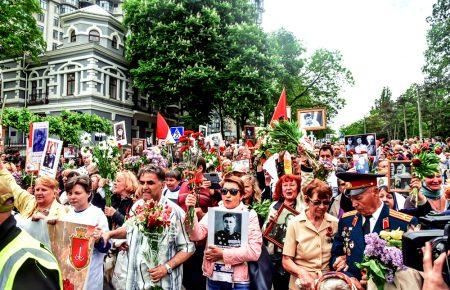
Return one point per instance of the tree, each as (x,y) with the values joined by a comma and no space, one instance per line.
(19,32)
(67,126)
(314,81)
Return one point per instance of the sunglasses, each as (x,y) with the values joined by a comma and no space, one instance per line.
(233,191)
(319,202)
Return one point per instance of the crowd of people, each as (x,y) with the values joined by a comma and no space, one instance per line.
(325,234)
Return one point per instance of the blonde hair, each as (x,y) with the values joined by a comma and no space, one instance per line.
(256,190)
(131,182)
(48,182)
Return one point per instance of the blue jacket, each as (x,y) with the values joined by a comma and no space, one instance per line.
(349,239)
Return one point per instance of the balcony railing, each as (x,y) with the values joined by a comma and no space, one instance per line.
(38,99)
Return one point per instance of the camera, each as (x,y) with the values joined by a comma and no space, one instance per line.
(414,241)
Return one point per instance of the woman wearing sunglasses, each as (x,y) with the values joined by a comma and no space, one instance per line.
(227,268)
(307,247)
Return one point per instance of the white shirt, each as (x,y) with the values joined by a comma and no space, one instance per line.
(92,216)
(374,218)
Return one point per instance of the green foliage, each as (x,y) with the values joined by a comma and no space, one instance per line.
(428,164)
(19,32)
(262,208)
(398,119)
(211,56)
(284,136)
(67,126)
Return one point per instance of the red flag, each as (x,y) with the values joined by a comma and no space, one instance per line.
(280,109)
(162,129)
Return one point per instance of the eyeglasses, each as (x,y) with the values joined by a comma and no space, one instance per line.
(319,202)
(233,191)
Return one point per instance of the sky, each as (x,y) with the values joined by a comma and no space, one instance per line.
(382,42)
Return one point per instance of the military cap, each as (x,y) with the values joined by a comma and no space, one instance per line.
(357,183)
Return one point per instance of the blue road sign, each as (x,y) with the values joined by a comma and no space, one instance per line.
(176,132)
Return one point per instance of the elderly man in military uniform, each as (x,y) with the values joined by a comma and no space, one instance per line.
(371,216)
(228,237)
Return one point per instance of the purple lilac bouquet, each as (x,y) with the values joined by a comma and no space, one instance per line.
(153,155)
(133,163)
(381,260)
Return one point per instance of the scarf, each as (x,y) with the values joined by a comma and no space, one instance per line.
(431,194)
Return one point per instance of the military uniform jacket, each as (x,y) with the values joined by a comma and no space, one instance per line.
(349,239)
(223,238)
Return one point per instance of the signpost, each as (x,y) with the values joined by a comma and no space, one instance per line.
(176,132)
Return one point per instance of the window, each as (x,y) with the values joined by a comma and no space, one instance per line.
(73,36)
(55,34)
(41,17)
(41,28)
(70,84)
(61,35)
(44,4)
(94,36)
(56,21)
(33,89)
(54,46)
(113,87)
(57,9)
(114,42)
(66,9)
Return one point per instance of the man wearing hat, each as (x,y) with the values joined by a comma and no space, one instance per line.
(24,262)
(370,216)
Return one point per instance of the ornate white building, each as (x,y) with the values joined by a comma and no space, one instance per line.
(83,70)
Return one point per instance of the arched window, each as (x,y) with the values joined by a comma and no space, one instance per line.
(73,36)
(114,42)
(94,36)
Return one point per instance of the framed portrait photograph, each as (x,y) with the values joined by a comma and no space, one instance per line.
(360,144)
(276,230)
(69,152)
(120,133)
(227,228)
(361,163)
(50,160)
(312,119)
(138,145)
(399,176)
(249,132)
(203,129)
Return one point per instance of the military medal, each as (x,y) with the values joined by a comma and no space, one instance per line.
(385,223)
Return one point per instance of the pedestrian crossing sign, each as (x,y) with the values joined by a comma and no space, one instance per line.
(176,132)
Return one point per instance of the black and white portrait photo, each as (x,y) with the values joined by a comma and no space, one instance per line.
(312,119)
(50,159)
(360,144)
(399,176)
(249,132)
(40,135)
(203,129)
(120,133)
(227,229)
(276,230)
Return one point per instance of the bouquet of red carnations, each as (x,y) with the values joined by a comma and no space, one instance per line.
(152,220)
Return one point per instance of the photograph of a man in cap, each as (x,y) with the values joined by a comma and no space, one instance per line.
(230,236)
(371,215)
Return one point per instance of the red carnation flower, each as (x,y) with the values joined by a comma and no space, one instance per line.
(416,151)
(188,133)
(67,285)
(438,150)
(222,148)
(416,162)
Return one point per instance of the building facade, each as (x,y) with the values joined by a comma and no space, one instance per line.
(83,69)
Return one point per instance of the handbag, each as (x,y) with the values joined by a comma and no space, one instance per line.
(260,272)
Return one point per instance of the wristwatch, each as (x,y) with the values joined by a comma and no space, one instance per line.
(169,269)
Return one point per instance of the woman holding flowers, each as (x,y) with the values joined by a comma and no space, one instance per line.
(431,188)
(309,237)
(125,186)
(235,258)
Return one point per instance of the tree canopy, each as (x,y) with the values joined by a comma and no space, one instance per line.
(19,32)
(211,56)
